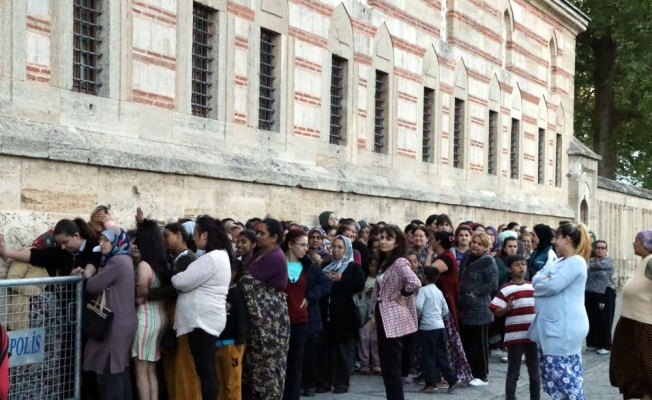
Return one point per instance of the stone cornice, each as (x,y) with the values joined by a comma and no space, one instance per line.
(569,15)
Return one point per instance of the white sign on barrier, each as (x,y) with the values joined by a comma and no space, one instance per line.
(26,347)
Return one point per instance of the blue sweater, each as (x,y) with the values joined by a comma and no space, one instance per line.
(561,323)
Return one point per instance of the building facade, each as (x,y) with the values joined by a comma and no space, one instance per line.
(373,108)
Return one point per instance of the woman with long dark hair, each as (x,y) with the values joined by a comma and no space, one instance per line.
(246,245)
(201,306)
(152,272)
(449,284)
(395,313)
(263,284)
(544,253)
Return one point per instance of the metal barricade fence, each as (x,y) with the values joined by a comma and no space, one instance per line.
(43,321)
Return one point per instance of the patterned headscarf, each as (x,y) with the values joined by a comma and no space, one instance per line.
(340,265)
(119,242)
(645,237)
(321,231)
(495,244)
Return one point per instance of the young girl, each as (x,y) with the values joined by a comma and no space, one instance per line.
(368,352)
(413,258)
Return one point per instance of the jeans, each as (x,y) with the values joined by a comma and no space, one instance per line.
(475,341)
(298,335)
(514,354)
(389,350)
(114,386)
(202,347)
(434,359)
(368,347)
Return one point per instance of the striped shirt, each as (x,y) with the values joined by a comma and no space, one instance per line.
(520,317)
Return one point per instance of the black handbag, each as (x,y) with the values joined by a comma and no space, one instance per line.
(360,309)
(97,319)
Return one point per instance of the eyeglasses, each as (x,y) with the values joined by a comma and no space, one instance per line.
(601,248)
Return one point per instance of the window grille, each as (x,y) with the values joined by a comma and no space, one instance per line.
(428,123)
(380,117)
(337,96)
(267,108)
(492,144)
(558,161)
(513,148)
(541,156)
(458,131)
(202,59)
(86,43)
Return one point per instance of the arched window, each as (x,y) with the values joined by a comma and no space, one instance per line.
(508,28)
(552,66)
(460,116)
(493,130)
(340,45)
(584,212)
(382,74)
(430,120)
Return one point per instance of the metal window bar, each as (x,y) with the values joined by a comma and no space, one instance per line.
(558,161)
(513,149)
(492,145)
(428,125)
(267,76)
(379,112)
(202,59)
(86,42)
(337,96)
(541,156)
(458,128)
(43,321)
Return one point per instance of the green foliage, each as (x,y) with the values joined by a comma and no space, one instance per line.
(628,24)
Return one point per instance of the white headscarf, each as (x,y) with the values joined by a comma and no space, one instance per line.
(340,265)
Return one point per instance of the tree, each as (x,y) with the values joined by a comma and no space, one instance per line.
(613,87)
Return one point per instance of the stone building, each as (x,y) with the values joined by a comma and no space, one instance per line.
(376,109)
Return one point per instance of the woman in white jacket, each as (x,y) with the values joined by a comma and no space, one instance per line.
(201,306)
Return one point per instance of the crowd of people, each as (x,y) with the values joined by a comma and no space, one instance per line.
(211,308)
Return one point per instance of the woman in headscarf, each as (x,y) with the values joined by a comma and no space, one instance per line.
(544,253)
(265,359)
(630,367)
(316,246)
(328,219)
(493,237)
(109,358)
(338,315)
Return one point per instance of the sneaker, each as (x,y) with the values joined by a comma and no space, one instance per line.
(523,358)
(376,370)
(455,385)
(590,348)
(364,371)
(504,360)
(407,381)
(603,352)
(429,390)
(498,354)
(478,382)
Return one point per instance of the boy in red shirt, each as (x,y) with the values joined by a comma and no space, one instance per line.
(515,301)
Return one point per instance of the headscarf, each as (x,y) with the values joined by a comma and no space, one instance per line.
(119,242)
(340,265)
(644,237)
(323,218)
(189,226)
(321,231)
(363,224)
(504,235)
(545,235)
(593,239)
(495,244)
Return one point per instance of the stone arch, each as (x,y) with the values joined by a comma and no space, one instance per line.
(382,66)
(430,71)
(561,118)
(508,33)
(459,104)
(383,50)
(430,80)
(516,134)
(273,15)
(340,33)
(552,63)
(584,212)
(517,103)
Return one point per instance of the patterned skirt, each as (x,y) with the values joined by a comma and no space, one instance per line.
(561,376)
(456,355)
(630,367)
(268,340)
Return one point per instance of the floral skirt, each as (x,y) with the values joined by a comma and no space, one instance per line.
(268,340)
(456,354)
(561,376)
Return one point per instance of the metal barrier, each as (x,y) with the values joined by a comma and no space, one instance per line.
(43,321)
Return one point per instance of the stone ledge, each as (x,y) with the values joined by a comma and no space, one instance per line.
(624,188)
(28,139)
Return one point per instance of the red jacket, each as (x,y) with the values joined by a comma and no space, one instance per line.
(398,320)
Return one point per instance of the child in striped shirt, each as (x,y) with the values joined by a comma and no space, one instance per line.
(515,300)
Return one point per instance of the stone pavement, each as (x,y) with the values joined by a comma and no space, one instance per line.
(596,383)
